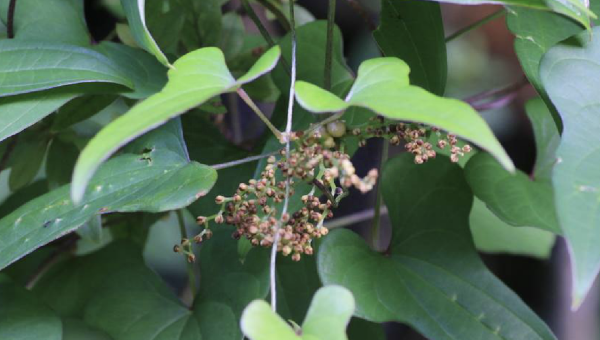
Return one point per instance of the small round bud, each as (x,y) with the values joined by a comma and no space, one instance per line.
(466,148)
(237,198)
(454,158)
(442,144)
(198,238)
(219,199)
(191,258)
(219,219)
(329,143)
(200,220)
(177,248)
(286,250)
(243,187)
(324,231)
(356,132)
(336,129)
(296,257)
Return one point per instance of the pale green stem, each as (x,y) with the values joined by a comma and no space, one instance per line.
(260,114)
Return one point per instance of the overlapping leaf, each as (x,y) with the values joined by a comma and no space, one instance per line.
(382,86)
(326,319)
(570,72)
(136,16)
(195,78)
(155,175)
(413,31)
(430,277)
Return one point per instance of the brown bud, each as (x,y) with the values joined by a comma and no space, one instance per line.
(201,220)
(191,258)
(219,199)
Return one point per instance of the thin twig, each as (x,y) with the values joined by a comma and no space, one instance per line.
(260,114)
(476,24)
(288,131)
(236,124)
(7,152)
(358,217)
(277,12)
(329,44)
(374,235)
(242,161)
(496,98)
(10,22)
(51,260)
(190,265)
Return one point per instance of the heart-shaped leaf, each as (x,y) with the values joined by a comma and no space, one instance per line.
(34,66)
(135,10)
(382,86)
(133,303)
(571,75)
(536,32)
(430,277)
(154,176)
(195,78)
(326,319)
(414,32)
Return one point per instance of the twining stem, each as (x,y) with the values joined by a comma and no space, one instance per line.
(242,161)
(10,22)
(277,12)
(190,265)
(476,24)
(374,236)
(329,44)
(260,114)
(358,217)
(288,130)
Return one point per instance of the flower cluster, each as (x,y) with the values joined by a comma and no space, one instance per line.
(254,208)
(416,139)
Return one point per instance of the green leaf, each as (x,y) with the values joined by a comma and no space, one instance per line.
(382,86)
(26,167)
(514,198)
(430,277)
(80,109)
(574,9)
(148,75)
(135,12)
(327,318)
(194,79)
(165,21)
(536,32)
(131,302)
(60,21)
(153,175)
(92,230)
(571,74)
(413,31)
(492,235)
(23,317)
(29,67)
(547,138)
(232,35)
(20,112)
(60,161)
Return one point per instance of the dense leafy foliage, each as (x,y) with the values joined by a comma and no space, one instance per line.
(108,141)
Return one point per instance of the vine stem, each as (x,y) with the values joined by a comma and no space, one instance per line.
(260,114)
(374,235)
(288,130)
(329,44)
(10,21)
(476,24)
(242,161)
(190,266)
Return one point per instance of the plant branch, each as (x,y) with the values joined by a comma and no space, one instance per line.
(259,113)
(10,22)
(476,24)
(374,235)
(288,130)
(358,217)
(242,161)
(329,44)
(9,149)
(190,266)
(496,98)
